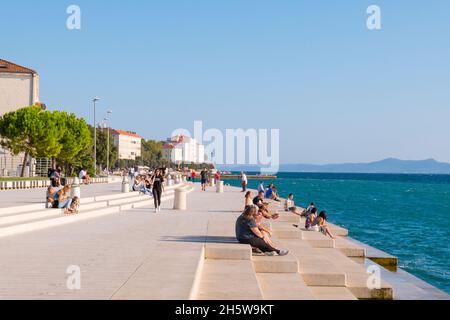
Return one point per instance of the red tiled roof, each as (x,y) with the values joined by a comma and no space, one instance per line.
(126,133)
(9,67)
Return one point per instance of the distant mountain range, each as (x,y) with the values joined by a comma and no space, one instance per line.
(390,165)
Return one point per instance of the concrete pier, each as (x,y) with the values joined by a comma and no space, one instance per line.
(126,251)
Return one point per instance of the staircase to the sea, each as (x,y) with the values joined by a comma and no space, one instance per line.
(317,267)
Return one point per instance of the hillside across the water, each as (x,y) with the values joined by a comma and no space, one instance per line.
(390,165)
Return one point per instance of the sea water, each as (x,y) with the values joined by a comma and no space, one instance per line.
(407,216)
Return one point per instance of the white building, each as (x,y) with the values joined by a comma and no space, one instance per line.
(19,88)
(184,149)
(129,144)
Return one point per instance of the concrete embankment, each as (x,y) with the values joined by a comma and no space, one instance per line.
(134,253)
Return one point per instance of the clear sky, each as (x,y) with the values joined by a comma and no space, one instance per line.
(337,91)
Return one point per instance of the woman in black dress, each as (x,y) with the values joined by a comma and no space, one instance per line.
(157,182)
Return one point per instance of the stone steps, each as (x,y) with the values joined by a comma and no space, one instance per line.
(283,287)
(357,276)
(286,230)
(332,293)
(17,220)
(228,280)
(315,269)
(53,222)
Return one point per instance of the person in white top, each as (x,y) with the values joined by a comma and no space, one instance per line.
(84,177)
(261,187)
(289,205)
(244,181)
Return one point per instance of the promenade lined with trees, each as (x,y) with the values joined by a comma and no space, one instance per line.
(69,142)
(39,133)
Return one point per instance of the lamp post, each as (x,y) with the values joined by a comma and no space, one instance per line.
(95,136)
(109,112)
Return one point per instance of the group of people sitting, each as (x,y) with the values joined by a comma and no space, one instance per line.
(251,230)
(313,221)
(60,197)
(270,192)
(151,184)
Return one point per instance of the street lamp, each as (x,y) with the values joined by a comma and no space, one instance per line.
(109,112)
(95,136)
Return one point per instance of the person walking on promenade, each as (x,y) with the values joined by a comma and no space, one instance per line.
(204,176)
(157,181)
(244,181)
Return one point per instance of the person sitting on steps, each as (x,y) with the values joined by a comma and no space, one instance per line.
(263,206)
(65,200)
(289,205)
(247,232)
(248,199)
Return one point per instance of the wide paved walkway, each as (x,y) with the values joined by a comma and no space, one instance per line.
(136,254)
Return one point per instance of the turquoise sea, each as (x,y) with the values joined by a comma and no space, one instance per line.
(405,215)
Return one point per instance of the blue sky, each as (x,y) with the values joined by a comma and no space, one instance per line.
(337,91)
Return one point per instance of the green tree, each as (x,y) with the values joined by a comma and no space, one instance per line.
(27,130)
(151,155)
(74,139)
(102,148)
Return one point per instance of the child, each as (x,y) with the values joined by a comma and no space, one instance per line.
(50,197)
(75,205)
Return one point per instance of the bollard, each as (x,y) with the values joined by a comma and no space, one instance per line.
(219,187)
(76,190)
(125,185)
(170,182)
(180,201)
(212,182)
